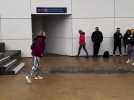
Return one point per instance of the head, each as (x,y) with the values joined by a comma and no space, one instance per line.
(97,28)
(118,30)
(44,33)
(128,31)
(80,31)
(41,33)
(132,31)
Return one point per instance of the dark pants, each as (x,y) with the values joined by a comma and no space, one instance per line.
(96,49)
(125,47)
(83,48)
(117,46)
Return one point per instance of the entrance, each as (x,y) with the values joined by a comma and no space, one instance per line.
(58,30)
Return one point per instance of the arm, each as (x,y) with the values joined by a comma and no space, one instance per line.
(101,37)
(92,37)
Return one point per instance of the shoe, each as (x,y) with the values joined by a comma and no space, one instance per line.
(128,61)
(36,78)
(28,79)
(40,77)
(132,64)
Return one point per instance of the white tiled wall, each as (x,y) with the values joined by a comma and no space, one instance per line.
(124,23)
(92,8)
(16,28)
(15,9)
(16,24)
(88,25)
(106,14)
(124,8)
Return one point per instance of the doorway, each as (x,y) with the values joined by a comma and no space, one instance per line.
(58,29)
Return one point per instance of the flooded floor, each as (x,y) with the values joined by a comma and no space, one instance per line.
(68,64)
(72,86)
(69,87)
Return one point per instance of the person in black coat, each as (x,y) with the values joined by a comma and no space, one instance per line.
(97,38)
(117,41)
(130,48)
(125,39)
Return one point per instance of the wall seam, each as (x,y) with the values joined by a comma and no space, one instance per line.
(72,29)
(114,15)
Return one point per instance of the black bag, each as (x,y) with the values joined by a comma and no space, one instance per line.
(106,54)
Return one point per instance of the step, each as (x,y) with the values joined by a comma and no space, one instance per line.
(16,69)
(9,64)
(8,55)
(4,59)
(9,59)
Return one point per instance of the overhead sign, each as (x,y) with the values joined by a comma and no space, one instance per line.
(51,10)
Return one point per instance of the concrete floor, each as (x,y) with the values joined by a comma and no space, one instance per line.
(69,87)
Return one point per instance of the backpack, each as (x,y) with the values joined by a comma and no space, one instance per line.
(106,54)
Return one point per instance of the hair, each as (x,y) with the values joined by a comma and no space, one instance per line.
(128,30)
(80,31)
(41,33)
(96,28)
(117,28)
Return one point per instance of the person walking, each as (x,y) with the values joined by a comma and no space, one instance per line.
(37,48)
(131,48)
(82,43)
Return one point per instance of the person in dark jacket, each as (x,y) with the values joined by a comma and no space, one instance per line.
(37,48)
(117,41)
(97,38)
(125,40)
(130,48)
(82,43)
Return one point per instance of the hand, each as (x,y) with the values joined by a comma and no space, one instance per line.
(42,55)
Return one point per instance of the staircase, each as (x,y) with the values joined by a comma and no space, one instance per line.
(10,61)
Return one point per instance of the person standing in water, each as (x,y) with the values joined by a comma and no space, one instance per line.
(37,48)
(117,41)
(97,38)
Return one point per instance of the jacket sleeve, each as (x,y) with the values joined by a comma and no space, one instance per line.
(114,36)
(121,36)
(101,37)
(92,37)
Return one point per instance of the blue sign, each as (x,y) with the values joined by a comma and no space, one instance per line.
(51,10)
